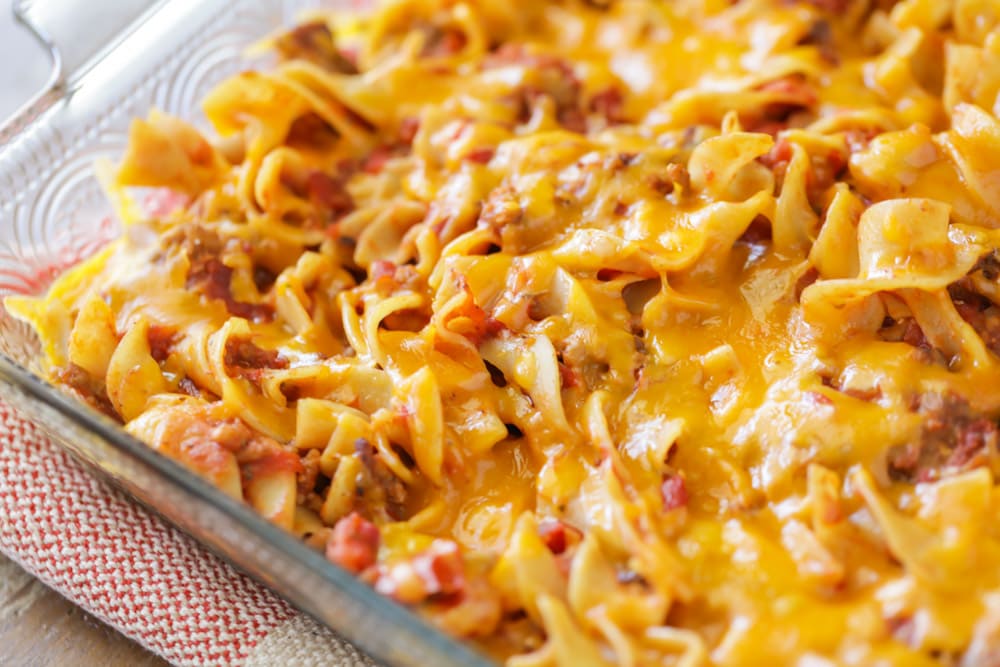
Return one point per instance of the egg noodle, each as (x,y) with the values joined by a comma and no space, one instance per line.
(601,333)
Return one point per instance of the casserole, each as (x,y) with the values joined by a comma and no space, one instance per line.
(596,357)
(54,214)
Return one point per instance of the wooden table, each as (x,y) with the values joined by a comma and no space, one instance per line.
(39,628)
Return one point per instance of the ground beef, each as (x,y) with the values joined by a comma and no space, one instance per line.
(757,233)
(329,193)
(314,42)
(793,94)
(820,35)
(88,389)
(553,78)
(308,480)
(161,341)
(443,42)
(502,208)
(953,438)
(263,278)
(977,310)
(610,104)
(989,266)
(311,132)
(244,359)
(907,330)
(679,176)
(210,276)
(380,488)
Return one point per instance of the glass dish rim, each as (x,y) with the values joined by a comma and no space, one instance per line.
(37,388)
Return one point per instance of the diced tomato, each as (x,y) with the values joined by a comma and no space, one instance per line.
(674,492)
(328,192)
(376,160)
(558,535)
(480,155)
(354,543)
(408,128)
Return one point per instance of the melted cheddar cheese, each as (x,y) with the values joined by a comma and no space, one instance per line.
(625,332)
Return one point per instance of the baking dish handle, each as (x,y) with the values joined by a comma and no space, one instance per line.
(78,32)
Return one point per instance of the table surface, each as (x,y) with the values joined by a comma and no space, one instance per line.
(37,626)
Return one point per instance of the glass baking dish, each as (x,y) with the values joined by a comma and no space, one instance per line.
(135,55)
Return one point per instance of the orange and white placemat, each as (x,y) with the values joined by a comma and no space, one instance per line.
(103,552)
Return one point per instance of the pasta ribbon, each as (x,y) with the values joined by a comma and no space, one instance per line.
(598,332)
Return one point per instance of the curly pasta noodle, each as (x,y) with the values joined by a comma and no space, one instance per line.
(624,332)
